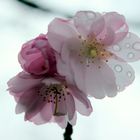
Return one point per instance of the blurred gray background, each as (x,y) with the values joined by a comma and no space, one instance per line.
(112,119)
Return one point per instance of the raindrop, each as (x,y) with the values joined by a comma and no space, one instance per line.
(129,74)
(118,68)
(130,55)
(127,45)
(91,15)
(116,48)
(136,46)
(118,88)
(128,35)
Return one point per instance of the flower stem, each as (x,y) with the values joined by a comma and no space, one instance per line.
(68,132)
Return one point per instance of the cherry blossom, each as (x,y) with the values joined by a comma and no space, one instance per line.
(37,57)
(48,99)
(93,50)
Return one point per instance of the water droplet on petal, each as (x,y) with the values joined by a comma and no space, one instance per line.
(128,35)
(116,48)
(130,55)
(136,46)
(127,45)
(118,88)
(118,68)
(129,74)
(91,15)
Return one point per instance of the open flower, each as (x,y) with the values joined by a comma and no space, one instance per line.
(93,49)
(48,99)
(37,57)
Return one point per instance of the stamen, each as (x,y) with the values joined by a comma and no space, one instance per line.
(56,105)
(92,49)
(54,94)
(79,36)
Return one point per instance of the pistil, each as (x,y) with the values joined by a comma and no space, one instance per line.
(53,93)
(92,49)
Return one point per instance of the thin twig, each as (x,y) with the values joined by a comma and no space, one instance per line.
(34,5)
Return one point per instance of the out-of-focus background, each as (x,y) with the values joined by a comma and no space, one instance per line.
(113,118)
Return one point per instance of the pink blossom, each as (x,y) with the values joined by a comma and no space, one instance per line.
(48,99)
(93,51)
(37,57)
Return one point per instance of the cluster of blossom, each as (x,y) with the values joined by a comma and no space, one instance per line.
(77,58)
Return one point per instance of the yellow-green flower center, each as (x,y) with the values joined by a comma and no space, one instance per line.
(93,53)
(92,49)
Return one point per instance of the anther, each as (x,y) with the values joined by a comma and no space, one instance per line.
(80,36)
(38,91)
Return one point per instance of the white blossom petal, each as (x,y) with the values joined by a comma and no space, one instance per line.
(59,31)
(128,49)
(100,80)
(123,72)
(88,22)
